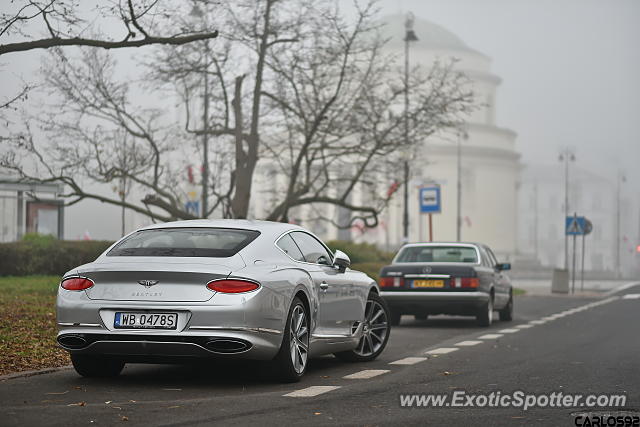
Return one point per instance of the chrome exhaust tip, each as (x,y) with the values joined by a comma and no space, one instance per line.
(73,342)
(227,346)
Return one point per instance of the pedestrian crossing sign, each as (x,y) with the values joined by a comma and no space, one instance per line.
(575,225)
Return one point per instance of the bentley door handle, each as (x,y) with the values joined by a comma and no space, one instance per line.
(324,286)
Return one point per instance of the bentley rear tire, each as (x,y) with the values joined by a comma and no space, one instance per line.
(291,360)
(96,366)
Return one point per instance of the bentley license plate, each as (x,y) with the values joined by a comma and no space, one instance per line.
(145,320)
(428,283)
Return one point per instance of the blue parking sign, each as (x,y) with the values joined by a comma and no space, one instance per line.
(430,199)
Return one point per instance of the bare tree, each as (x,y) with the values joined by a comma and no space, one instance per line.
(85,129)
(238,68)
(341,130)
(292,84)
(65,23)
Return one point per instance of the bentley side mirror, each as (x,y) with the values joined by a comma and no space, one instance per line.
(341,261)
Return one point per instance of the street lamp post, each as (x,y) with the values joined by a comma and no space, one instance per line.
(620,179)
(197,12)
(205,135)
(410,36)
(459,186)
(566,156)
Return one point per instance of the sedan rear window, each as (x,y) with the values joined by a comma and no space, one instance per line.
(185,242)
(438,254)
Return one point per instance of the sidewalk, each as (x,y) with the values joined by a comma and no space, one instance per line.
(592,288)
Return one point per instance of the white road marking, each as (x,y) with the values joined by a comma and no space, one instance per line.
(367,373)
(408,361)
(442,350)
(509,331)
(622,288)
(468,343)
(568,312)
(312,391)
(490,336)
(631,296)
(525,326)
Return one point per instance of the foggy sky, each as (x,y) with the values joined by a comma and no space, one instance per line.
(570,70)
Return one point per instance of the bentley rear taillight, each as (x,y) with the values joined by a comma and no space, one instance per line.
(232,286)
(76,284)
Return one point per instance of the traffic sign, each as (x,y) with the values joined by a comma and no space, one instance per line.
(575,226)
(192,207)
(430,199)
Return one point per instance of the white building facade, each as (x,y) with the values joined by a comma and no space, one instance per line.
(610,249)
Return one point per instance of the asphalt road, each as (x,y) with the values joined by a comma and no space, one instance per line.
(593,350)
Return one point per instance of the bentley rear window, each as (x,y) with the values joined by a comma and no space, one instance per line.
(185,242)
(438,254)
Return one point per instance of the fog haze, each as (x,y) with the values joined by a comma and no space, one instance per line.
(570,73)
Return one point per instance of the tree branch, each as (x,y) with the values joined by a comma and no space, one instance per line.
(105,44)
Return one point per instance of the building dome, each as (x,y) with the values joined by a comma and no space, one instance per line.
(430,36)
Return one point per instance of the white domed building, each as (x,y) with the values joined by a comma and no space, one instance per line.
(489,162)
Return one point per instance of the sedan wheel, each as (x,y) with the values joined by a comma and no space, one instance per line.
(485,313)
(291,361)
(506,314)
(375,332)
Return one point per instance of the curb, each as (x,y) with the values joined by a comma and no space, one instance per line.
(25,374)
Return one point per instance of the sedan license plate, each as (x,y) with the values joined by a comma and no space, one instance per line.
(428,283)
(145,320)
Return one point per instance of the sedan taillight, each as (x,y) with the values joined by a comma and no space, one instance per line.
(76,284)
(391,282)
(465,282)
(232,286)
(469,282)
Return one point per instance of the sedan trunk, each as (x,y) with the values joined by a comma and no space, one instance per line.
(426,277)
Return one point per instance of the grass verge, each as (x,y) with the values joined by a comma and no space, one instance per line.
(28,324)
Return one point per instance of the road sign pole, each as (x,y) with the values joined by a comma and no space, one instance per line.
(582,269)
(430,203)
(573,274)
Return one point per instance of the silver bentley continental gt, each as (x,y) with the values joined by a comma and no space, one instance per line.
(219,288)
